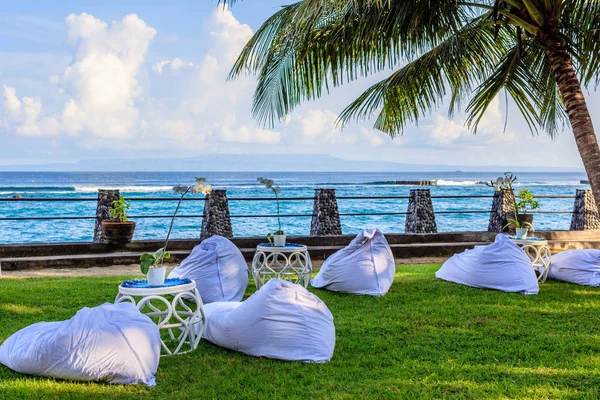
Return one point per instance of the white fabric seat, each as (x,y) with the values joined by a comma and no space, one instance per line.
(501,265)
(365,266)
(282,320)
(112,343)
(576,266)
(219,269)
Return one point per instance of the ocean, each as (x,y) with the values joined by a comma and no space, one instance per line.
(244,184)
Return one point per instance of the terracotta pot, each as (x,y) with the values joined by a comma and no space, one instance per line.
(118,232)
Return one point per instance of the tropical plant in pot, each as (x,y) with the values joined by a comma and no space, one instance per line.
(278,237)
(152,265)
(524,221)
(119,229)
(521,221)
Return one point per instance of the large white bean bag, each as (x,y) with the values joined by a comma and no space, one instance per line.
(112,343)
(365,266)
(501,265)
(219,269)
(576,266)
(282,320)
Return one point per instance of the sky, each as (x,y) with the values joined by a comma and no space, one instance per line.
(108,79)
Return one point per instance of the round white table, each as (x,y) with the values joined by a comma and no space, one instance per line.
(165,305)
(539,253)
(291,263)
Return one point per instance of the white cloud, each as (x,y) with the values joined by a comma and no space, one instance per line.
(174,64)
(445,131)
(12,102)
(377,138)
(316,126)
(159,66)
(100,83)
(102,80)
(227,30)
(27,114)
(107,89)
(248,134)
(104,99)
(491,129)
(211,98)
(177,126)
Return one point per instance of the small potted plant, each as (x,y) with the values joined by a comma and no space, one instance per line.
(521,220)
(278,237)
(521,227)
(119,229)
(526,202)
(152,264)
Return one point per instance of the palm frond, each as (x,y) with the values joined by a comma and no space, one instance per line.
(510,76)
(456,64)
(298,61)
(580,23)
(470,49)
(526,76)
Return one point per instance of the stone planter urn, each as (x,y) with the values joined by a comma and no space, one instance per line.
(118,232)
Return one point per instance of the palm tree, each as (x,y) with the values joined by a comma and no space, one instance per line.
(540,52)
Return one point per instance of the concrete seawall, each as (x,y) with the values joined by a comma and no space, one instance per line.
(83,255)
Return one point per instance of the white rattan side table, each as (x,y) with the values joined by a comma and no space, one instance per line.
(181,323)
(291,263)
(538,252)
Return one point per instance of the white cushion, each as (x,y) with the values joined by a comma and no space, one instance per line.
(219,269)
(282,320)
(576,266)
(113,343)
(501,265)
(365,266)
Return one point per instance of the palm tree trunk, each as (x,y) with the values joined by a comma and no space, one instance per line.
(577,110)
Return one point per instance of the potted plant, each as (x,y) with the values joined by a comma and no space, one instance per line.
(526,202)
(521,227)
(520,220)
(118,229)
(278,237)
(152,264)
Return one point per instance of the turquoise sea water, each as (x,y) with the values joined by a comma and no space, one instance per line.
(158,184)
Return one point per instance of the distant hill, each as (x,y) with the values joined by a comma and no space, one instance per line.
(261,162)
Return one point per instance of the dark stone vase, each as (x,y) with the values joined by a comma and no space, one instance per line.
(525,218)
(118,232)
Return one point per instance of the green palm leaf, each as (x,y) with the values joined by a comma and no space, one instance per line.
(540,52)
(422,84)
(327,48)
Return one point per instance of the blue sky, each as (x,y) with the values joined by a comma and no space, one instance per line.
(130,79)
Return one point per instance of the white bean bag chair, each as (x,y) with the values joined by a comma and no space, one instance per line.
(365,266)
(219,269)
(112,343)
(501,265)
(576,266)
(282,320)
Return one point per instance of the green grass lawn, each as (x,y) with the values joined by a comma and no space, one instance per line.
(424,339)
